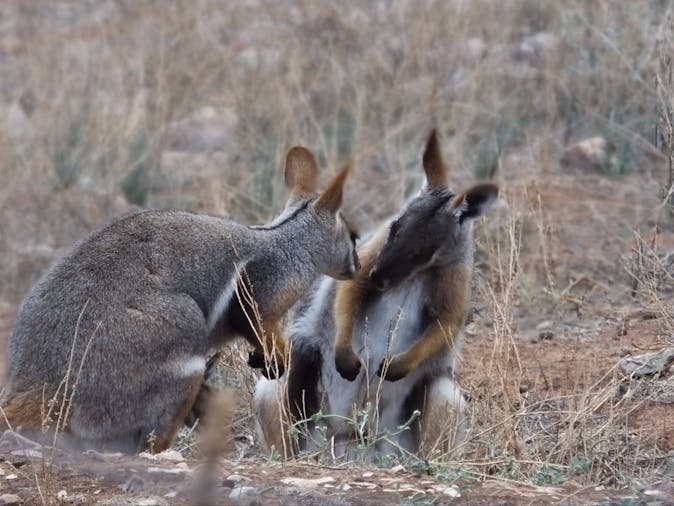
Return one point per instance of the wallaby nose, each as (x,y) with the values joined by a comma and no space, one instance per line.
(376,282)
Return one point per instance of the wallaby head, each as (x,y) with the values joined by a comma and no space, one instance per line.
(338,237)
(434,228)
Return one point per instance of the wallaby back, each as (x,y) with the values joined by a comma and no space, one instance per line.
(119,329)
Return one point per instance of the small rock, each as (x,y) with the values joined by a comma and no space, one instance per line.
(242,493)
(660,488)
(2,471)
(546,335)
(364,484)
(473,50)
(587,154)
(173,470)
(10,500)
(451,491)
(28,453)
(544,325)
(647,364)
(537,47)
(133,485)
(368,474)
(171,455)
(11,477)
(11,440)
(236,478)
(150,501)
(307,482)
(62,496)
(397,469)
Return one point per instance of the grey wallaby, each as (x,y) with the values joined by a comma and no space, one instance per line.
(401,317)
(109,348)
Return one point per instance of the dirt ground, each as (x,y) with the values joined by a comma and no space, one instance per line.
(39,475)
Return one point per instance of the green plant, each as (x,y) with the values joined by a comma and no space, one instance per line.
(548,475)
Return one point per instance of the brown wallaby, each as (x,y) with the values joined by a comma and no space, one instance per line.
(401,316)
(110,346)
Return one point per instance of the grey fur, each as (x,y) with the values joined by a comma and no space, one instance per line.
(137,297)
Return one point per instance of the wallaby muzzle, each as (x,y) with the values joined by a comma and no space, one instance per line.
(376,282)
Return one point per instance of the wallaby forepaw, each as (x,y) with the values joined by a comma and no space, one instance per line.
(392,370)
(347,363)
(270,371)
(256,359)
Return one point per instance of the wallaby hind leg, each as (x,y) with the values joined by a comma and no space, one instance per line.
(208,386)
(128,393)
(177,407)
(271,422)
(443,421)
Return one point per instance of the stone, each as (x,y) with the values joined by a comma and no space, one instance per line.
(10,500)
(647,364)
(133,485)
(243,495)
(587,154)
(307,482)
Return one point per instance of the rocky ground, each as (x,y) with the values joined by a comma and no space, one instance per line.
(32,474)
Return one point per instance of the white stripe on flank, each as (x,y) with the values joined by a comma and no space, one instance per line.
(190,367)
(223,300)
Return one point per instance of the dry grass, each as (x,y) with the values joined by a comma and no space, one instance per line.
(109,104)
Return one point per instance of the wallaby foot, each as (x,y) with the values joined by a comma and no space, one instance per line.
(347,363)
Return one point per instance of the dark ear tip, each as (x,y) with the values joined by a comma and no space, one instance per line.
(297,151)
(432,142)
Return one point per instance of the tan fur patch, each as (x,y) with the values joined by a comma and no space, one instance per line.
(350,292)
(434,166)
(330,199)
(166,437)
(449,305)
(23,409)
(301,171)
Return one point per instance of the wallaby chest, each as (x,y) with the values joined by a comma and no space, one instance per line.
(390,322)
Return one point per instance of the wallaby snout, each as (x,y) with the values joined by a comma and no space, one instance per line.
(375,282)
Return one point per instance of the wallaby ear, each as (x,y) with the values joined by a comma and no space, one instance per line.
(301,172)
(474,202)
(331,198)
(434,166)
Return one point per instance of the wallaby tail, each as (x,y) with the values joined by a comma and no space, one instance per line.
(22,409)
